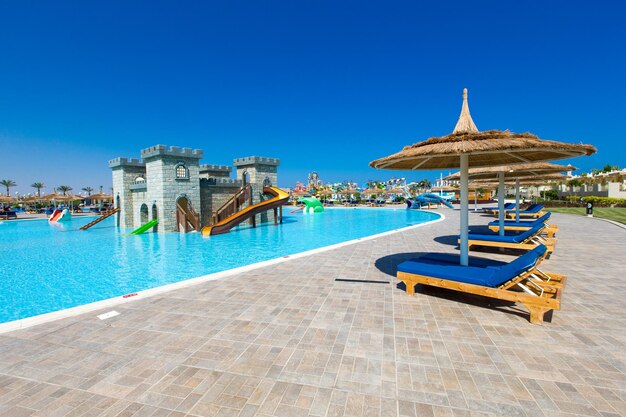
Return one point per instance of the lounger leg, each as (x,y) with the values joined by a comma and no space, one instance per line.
(410,287)
(537,313)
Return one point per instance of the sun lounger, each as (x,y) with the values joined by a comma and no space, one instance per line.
(527,240)
(534,211)
(492,210)
(8,214)
(520,281)
(522,226)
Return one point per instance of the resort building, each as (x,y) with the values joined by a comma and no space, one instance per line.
(170,185)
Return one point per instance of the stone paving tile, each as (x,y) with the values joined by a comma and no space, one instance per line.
(289,340)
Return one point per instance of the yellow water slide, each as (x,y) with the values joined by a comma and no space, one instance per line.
(279,197)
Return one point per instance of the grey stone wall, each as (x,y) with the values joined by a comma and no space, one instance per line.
(124,172)
(215,171)
(214,193)
(140,198)
(259,169)
(164,189)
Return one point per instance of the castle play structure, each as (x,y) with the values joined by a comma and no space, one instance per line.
(168,190)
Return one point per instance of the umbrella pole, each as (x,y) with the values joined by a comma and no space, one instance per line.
(464,210)
(516,199)
(501,203)
(475,200)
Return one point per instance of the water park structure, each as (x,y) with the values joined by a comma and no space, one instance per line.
(168,190)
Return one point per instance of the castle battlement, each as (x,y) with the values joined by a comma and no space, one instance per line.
(126,162)
(225,182)
(215,168)
(176,151)
(256,160)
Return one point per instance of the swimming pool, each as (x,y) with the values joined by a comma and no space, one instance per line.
(49,267)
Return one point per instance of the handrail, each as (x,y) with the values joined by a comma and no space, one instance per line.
(187,216)
(279,197)
(232,205)
(99,219)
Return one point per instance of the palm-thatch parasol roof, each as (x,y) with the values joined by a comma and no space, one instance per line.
(6,199)
(374,191)
(53,197)
(484,149)
(513,171)
(100,197)
(445,188)
(535,180)
(394,191)
(348,192)
(33,199)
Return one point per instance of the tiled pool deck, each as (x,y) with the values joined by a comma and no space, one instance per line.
(289,340)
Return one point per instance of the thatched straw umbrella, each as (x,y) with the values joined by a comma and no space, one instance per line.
(536,180)
(467,147)
(6,199)
(517,172)
(99,197)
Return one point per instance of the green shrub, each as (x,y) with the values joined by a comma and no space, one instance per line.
(604,201)
(550,194)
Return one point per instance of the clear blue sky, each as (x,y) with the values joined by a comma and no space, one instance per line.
(322,85)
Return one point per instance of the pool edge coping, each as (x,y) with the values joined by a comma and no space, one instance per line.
(27,322)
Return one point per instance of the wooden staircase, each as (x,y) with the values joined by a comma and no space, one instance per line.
(188,219)
(99,219)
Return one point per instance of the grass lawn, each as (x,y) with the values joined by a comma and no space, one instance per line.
(617,214)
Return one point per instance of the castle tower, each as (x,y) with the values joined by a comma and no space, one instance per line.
(128,179)
(260,171)
(172,178)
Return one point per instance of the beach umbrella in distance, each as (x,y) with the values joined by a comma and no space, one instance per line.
(6,199)
(467,147)
(504,172)
(536,180)
(99,197)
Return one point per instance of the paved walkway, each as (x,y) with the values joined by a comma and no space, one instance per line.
(291,341)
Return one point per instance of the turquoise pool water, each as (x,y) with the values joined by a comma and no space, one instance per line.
(46,267)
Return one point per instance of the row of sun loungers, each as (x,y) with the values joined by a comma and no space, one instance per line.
(520,281)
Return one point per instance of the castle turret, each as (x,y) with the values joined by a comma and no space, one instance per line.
(128,177)
(173,181)
(259,171)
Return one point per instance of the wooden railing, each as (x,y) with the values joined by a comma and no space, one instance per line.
(189,219)
(99,219)
(233,205)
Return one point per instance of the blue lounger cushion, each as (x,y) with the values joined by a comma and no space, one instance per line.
(535,208)
(507,206)
(453,258)
(518,238)
(530,223)
(489,276)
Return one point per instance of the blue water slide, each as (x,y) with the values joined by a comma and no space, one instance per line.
(424,199)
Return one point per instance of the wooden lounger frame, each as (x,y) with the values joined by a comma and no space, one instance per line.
(530,243)
(540,291)
(550,229)
(511,214)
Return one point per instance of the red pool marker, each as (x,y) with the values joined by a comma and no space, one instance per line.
(129,295)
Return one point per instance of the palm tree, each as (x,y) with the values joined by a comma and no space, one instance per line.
(64,188)
(88,190)
(38,186)
(8,184)
(414,189)
(101,189)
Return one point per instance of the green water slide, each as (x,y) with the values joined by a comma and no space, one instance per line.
(145,227)
(312,205)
